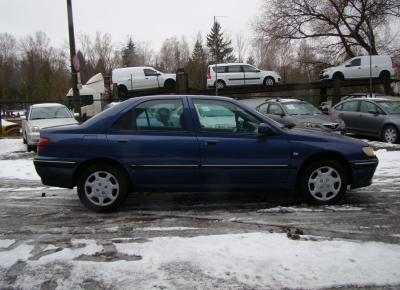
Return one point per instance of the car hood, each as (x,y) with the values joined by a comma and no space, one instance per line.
(45,123)
(300,134)
(319,119)
(172,76)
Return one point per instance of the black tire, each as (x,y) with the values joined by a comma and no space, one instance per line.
(337,76)
(326,192)
(269,81)
(122,92)
(30,148)
(169,84)
(221,84)
(108,177)
(390,134)
(384,75)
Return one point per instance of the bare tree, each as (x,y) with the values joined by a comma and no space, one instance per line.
(343,26)
(241,46)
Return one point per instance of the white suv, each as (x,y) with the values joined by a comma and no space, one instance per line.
(359,68)
(239,74)
(140,78)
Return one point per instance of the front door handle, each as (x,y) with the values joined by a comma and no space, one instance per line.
(122,141)
(211,142)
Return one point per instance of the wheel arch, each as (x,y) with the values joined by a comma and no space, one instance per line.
(109,161)
(338,74)
(384,74)
(326,155)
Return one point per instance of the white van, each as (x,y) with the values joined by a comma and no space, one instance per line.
(359,68)
(239,74)
(92,95)
(140,78)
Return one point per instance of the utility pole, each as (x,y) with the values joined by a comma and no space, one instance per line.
(370,72)
(74,62)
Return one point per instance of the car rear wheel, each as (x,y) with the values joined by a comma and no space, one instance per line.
(122,92)
(30,148)
(221,84)
(102,188)
(390,134)
(269,81)
(323,182)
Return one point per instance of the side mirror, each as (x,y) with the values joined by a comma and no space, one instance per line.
(348,65)
(257,71)
(289,125)
(265,130)
(373,112)
(76,115)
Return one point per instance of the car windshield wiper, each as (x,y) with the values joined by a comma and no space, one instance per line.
(39,118)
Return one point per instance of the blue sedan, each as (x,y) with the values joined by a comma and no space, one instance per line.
(202,143)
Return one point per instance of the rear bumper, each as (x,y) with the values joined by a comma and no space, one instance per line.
(56,172)
(363,172)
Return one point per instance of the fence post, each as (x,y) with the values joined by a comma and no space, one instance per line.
(337,83)
(182,83)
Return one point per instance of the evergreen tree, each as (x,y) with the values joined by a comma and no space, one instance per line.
(220,49)
(197,66)
(251,60)
(129,54)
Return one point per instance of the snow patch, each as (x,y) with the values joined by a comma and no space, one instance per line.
(168,229)
(282,209)
(6,243)
(10,146)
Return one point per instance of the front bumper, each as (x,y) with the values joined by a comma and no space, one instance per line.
(363,172)
(56,172)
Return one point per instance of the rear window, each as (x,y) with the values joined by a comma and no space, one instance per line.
(219,69)
(350,106)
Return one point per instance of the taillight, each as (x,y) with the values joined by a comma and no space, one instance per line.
(209,76)
(41,144)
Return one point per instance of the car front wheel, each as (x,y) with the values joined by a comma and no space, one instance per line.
(269,81)
(390,134)
(102,188)
(323,182)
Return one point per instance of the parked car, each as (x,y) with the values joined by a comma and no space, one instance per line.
(42,116)
(201,143)
(239,74)
(378,117)
(294,112)
(140,78)
(359,68)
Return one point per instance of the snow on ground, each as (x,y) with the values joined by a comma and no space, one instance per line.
(11,145)
(251,260)
(6,243)
(18,169)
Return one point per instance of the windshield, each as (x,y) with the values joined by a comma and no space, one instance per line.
(392,107)
(301,109)
(50,113)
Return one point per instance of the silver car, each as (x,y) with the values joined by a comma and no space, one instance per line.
(377,117)
(298,113)
(43,116)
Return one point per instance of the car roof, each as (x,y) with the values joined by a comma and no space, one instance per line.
(230,63)
(279,100)
(367,99)
(221,98)
(46,105)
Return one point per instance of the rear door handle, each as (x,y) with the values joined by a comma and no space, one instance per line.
(122,141)
(211,142)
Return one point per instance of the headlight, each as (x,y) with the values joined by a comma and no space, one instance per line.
(369,151)
(310,125)
(35,129)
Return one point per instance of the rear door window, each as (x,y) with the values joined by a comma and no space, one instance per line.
(275,109)
(351,106)
(234,68)
(157,115)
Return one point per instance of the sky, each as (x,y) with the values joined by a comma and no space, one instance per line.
(151,20)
